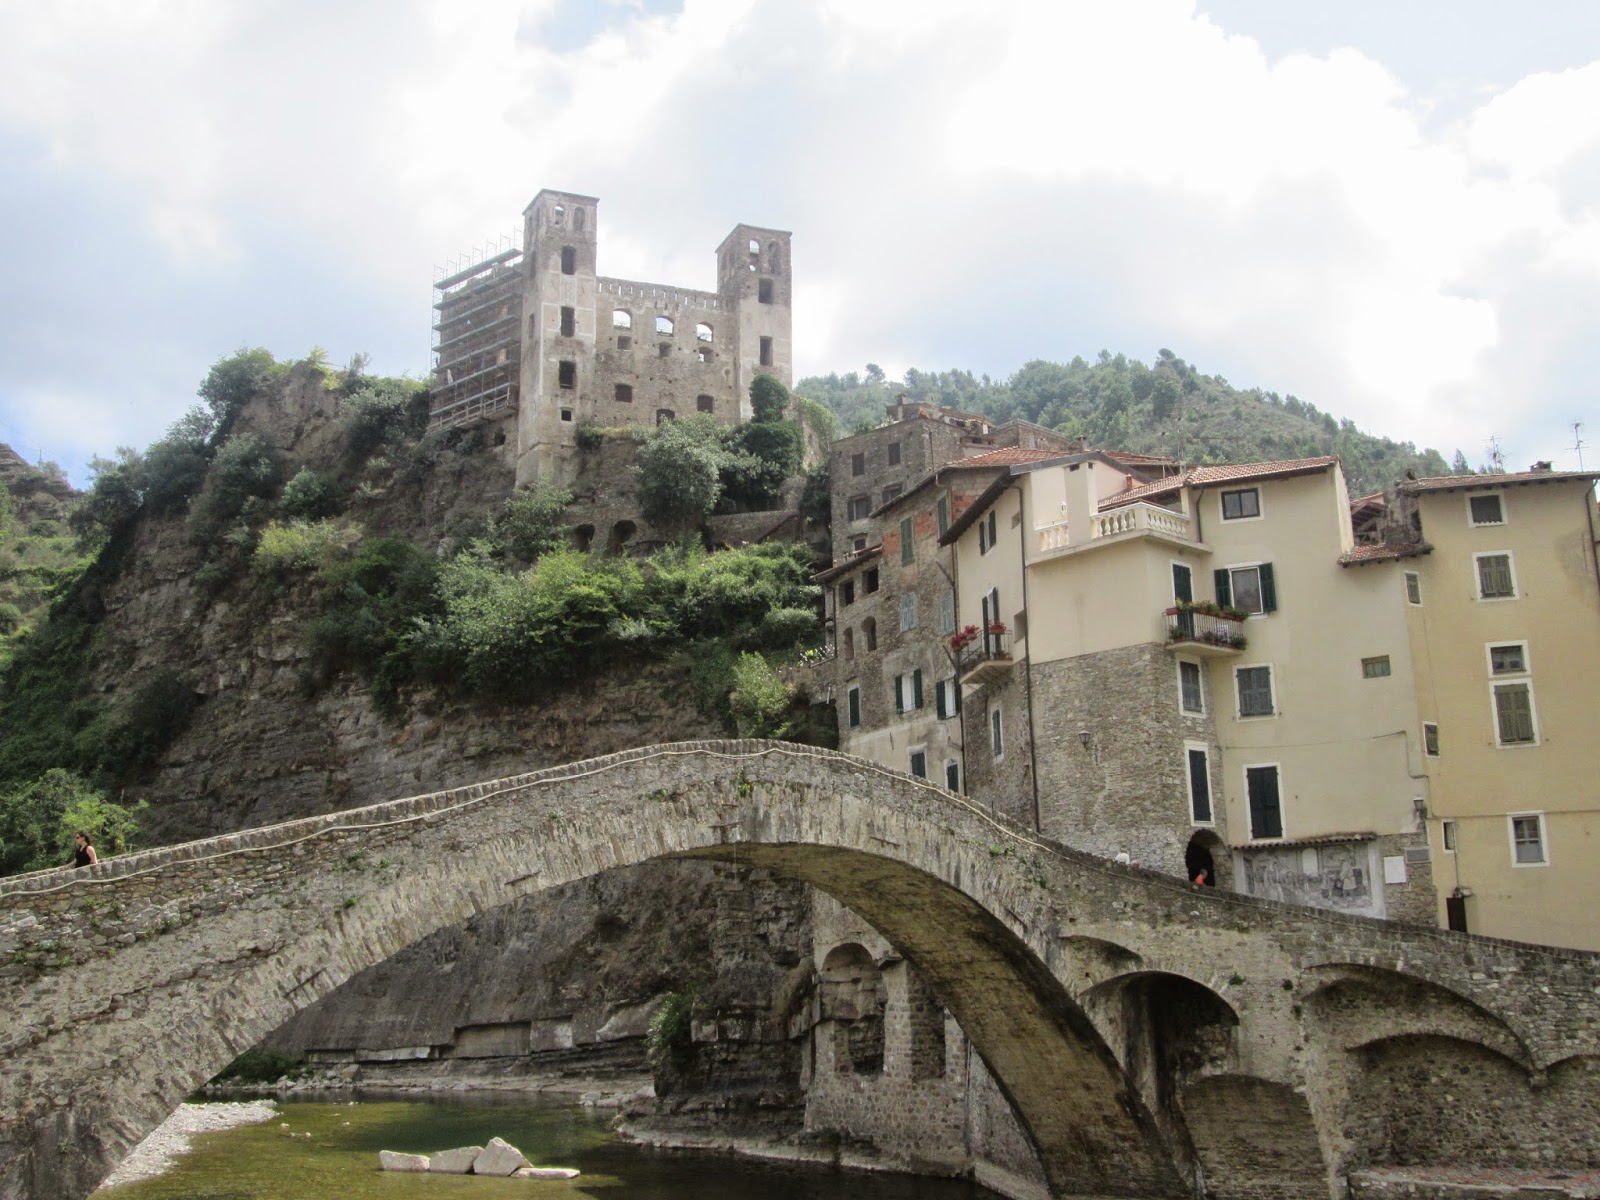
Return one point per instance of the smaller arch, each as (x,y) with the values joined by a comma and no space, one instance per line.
(1206,851)
(664,325)
(569,260)
(663,415)
(621,534)
(702,332)
(869,632)
(583,537)
(755,248)
(621,318)
(578,219)
(852,996)
(558,216)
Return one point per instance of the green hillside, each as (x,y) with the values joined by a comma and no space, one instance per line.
(1121,403)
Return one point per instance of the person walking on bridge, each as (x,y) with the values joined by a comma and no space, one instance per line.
(83,854)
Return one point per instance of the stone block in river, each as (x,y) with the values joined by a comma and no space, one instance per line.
(499,1158)
(394,1160)
(455,1162)
(545,1173)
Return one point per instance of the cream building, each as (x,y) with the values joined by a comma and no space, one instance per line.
(1503,616)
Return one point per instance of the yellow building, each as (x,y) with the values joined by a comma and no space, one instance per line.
(1504,623)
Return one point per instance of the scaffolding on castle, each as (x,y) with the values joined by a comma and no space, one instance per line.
(476,335)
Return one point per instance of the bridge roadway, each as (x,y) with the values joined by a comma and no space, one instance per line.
(1147,1033)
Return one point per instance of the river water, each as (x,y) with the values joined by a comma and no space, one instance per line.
(276,1161)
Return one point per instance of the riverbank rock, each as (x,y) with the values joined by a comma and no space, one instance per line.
(393,1160)
(545,1173)
(455,1162)
(499,1158)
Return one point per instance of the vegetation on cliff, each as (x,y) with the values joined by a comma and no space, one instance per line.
(1121,403)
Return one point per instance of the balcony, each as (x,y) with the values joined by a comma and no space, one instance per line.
(1146,519)
(1205,630)
(983,658)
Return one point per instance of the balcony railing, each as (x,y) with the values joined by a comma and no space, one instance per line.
(1134,518)
(986,656)
(1196,631)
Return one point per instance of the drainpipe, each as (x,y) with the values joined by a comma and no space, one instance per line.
(1027,665)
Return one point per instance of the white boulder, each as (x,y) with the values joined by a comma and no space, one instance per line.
(393,1160)
(499,1158)
(545,1173)
(455,1162)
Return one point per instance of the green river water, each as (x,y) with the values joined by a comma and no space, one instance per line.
(340,1160)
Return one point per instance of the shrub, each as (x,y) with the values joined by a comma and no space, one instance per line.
(785,628)
(529,523)
(309,496)
(768,398)
(245,469)
(10,618)
(39,817)
(670,1042)
(680,473)
(387,410)
(590,436)
(759,703)
(302,546)
(232,381)
(374,603)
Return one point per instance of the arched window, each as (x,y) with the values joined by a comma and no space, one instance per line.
(663,415)
(577,219)
(869,632)
(702,332)
(755,248)
(569,261)
(853,996)
(663,326)
(557,215)
(621,318)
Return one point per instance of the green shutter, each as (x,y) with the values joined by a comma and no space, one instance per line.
(939,708)
(916,688)
(855,708)
(1200,784)
(1266,811)
(1224,583)
(907,550)
(1269,589)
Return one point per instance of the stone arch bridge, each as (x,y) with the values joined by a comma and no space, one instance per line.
(1153,1038)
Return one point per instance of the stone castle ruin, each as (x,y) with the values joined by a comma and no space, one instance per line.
(533,332)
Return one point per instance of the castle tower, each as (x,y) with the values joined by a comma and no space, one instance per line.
(756,284)
(558,340)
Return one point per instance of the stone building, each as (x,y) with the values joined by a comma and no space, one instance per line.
(533,342)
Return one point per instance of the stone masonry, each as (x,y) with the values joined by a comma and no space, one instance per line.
(1143,1031)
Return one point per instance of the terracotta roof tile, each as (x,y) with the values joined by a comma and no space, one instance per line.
(1222,473)
(1448,483)
(847,563)
(1367,552)
(1003,456)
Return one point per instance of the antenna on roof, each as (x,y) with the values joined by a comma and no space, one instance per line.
(1577,441)
(1497,457)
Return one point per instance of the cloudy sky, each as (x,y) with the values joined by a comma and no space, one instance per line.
(1390,208)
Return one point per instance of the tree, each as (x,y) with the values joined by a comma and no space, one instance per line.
(38,819)
(530,523)
(768,399)
(680,473)
(232,381)
(1460,466)
(759,701)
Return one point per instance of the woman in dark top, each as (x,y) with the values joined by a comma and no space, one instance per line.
(83,854)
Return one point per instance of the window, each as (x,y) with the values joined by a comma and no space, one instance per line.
(1511,658)
(946,698)
(566,414)
(952,775)
(1447,835)
(578,219)
(997,742)
(1527,840)
(1486,510)
(986,533)
(1413,588)
(944,515)
(1266,809)
(766,352)
(993,537)
(569,261)
(893,490)
(1430,739)
(858,464)
(1255,691)
(624,342)
(1199,784)
(860,506)
(858,544)
(1375,668)
(908,691)
(869,630)
(569,321)
(847,593)
(1253,589)
(947,612)
(664,415)
(919,763)
(704,353)
(764,291)
(908,547)
(894,454)
(664,349)
(849,645)
(702,332)
(1513,714)
(1241,505)
(869,581)
(621,318)
(853,699)
(664,326)
(704,404)
(557,215)
(624,393)
(1191,699)
(1495,578)
(908,611)
(567,374)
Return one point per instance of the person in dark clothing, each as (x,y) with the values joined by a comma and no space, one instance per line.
(83,854)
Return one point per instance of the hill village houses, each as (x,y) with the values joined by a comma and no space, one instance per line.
(1382,706)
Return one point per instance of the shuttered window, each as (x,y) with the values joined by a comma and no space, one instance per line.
(1266,808)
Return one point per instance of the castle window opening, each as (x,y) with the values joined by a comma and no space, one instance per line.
(705,353)
(577,219)
(621,318)
(764,291)
(569,320)
(663,326)
(849,644)
(869,631)
(664,415)
(858,544)
(704,404)
(894,454)
(702,332)
(567,374)
(870,579)
(569,261)
(582,537)
(621,533)
(624,393)
(624,342)
(566,414)
(755,248)
(558,215)
(858,464)
(766,352)
(773,261)
(664,349)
